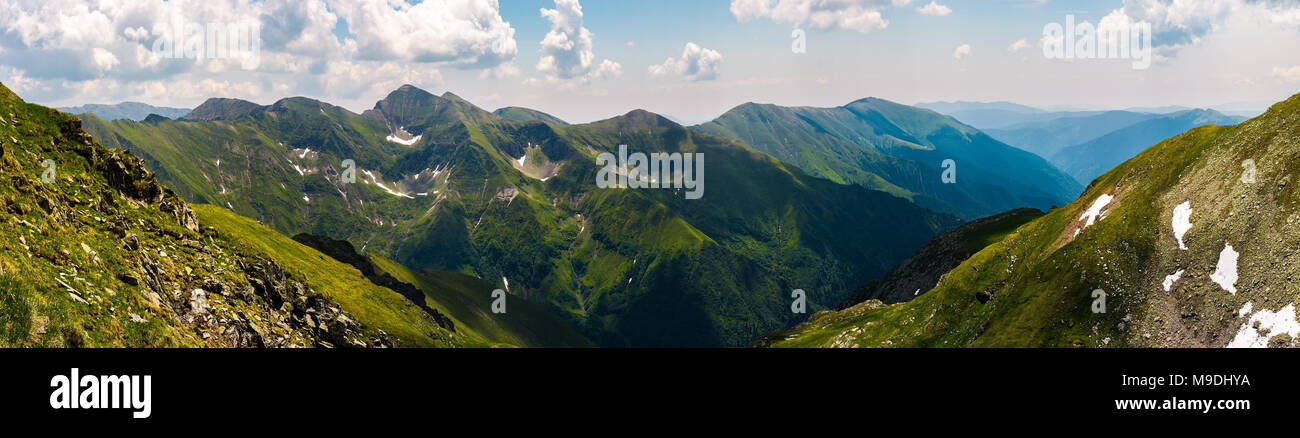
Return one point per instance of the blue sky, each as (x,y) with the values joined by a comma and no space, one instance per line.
(1208,52)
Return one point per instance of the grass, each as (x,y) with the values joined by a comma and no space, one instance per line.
(371,305)
(467,300)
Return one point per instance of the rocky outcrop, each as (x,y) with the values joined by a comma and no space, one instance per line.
(919,273)
(343,251)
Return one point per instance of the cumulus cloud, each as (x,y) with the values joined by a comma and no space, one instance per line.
(859,15)
(1287,74)
(461,32)
(696,64)
(935,10)
(567,49)
(1018,46)
(56,48)
(961,52)
(1180,23)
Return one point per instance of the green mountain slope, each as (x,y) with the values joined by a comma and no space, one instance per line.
(900,149)
(97,253)
(922,271)
(468,301)
(519,114)
(1087,160)
(1040,286)
(443,185)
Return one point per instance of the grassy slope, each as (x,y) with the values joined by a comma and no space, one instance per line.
(370,304)
(1040,279)
(467,300)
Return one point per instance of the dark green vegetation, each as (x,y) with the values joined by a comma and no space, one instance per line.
(900,149)
(1090,159)
(1035,287)
(442,185)
(127,110)
(95,252)
(468,301)
(919,273)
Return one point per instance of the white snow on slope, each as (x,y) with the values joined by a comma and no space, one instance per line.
(1245,310)
(1182,222)
(521,159)
(381,185)
(398,140)
(1094,212)
(1171,279)
(1226,272)
(1273,323)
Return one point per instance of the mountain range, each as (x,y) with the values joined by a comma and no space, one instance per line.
(126,110)
(1187,244)
(438,185)
(900,149)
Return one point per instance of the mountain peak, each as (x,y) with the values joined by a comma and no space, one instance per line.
(642,119)
(220,108)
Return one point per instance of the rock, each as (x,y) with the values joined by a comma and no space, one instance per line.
(155,301)
(198,301)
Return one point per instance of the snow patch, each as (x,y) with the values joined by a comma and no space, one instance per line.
(1245,310)
(1182,222)
(507,282)
(1274,323)
(521,159)
(1094,212)
(1171,279)
(396,137)
(381,185)
(306,199)
(398,140)
(1226,272)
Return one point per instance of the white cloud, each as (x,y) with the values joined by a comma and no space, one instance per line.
(859,15)
(56,49)
(462,32)
(1181,23)
(935,10)
(1018,46)
(961,52)
(696,64)
(1287,74)
(567,49)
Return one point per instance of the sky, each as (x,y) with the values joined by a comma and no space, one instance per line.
(586,60)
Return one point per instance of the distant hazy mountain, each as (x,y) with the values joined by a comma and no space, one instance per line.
(961,106)
(519,114)
(126,110)
(1089,160)
(1048,137)
(900,149)
(1159,109)
(988,115)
